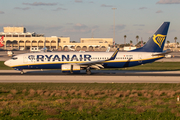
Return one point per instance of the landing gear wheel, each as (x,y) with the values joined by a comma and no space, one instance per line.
(88,72)
(22,72)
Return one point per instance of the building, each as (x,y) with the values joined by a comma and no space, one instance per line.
(172,46)
(18,38)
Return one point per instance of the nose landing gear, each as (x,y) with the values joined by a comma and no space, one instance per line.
(22,72)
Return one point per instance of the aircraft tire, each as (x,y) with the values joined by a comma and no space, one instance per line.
(88,72)
(22,72)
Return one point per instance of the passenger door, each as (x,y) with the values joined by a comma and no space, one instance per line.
(140,58)
(25,59)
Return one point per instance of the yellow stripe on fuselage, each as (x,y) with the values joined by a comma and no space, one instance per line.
(113,61)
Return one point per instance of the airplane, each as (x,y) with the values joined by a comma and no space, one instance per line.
(73,62)
(9,52)
(2,45)
(1,41)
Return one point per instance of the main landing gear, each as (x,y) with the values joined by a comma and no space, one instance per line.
(88,71)
(22,72)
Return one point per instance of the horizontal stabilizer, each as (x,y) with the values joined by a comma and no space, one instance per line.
(163,53)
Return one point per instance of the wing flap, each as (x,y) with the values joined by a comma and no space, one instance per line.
(94,66)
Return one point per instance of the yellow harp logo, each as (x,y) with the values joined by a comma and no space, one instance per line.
(159,39)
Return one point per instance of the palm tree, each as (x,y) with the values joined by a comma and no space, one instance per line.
(131,42)
(175,41)
(125,39)
(137,37)
(177,44)
(168,43)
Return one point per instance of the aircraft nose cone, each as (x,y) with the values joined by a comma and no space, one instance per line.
(7,63)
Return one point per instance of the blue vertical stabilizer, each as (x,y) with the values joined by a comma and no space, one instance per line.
(157,41)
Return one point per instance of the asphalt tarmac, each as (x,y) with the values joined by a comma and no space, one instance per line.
(99,76)
(94,73)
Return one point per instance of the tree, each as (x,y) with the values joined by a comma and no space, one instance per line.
(73,41)
(175,41)
(137,37)
(138,44)
(177,44)
(168,43)
(121,45)
(125,39)
(131,42)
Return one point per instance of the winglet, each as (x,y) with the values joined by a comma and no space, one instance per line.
(114,55)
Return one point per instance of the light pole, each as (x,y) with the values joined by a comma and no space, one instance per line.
(114,23)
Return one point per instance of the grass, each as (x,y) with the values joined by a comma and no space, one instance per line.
(164,66)
(4,67)
(81,87)
(65,101)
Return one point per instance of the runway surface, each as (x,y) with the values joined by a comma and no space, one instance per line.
(94,73)
(98,76)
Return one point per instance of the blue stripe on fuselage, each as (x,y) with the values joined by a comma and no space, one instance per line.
(128,63)
(106,65)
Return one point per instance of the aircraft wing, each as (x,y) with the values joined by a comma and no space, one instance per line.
(98,64)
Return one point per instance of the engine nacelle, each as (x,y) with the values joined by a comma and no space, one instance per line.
(71,68)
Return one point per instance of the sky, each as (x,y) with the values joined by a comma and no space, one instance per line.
(92,18)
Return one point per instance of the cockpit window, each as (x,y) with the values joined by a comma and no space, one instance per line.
(14,58)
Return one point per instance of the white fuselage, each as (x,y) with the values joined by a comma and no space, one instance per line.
(45,60)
